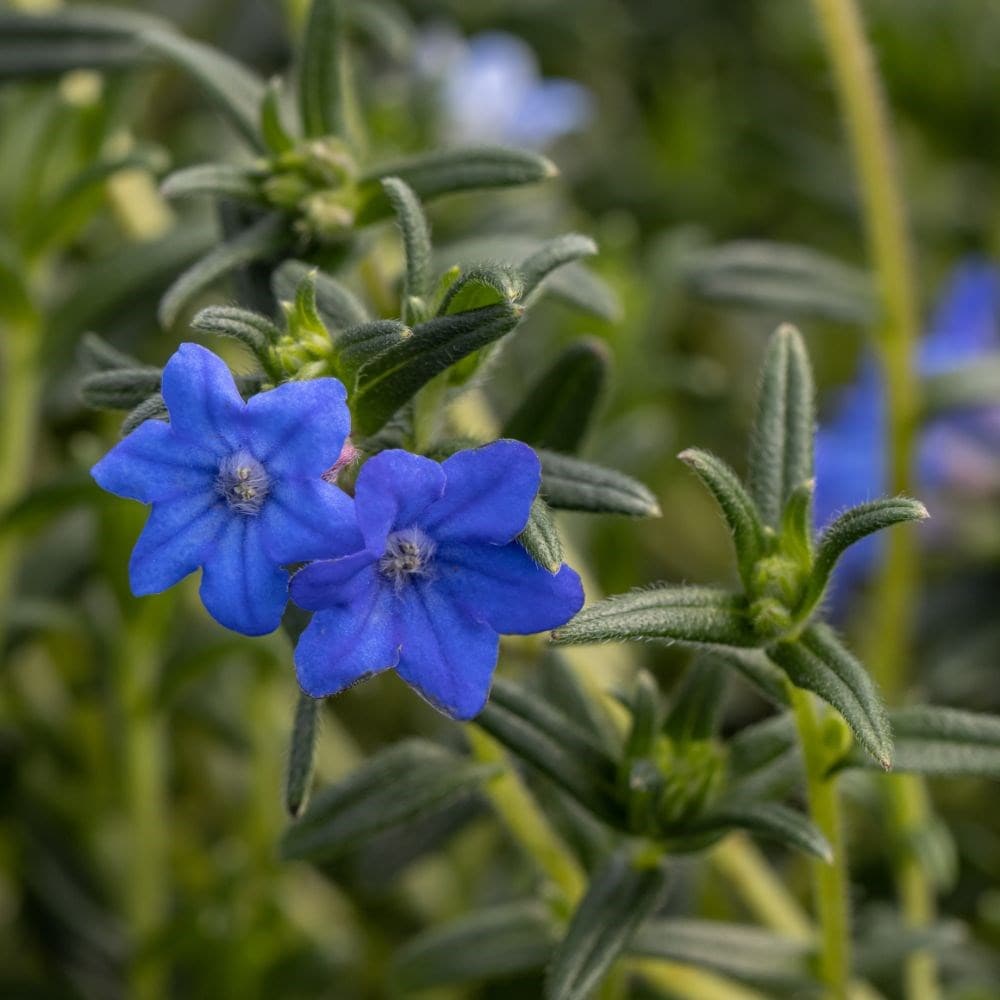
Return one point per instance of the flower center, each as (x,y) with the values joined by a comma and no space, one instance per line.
(408,553)
(242,483)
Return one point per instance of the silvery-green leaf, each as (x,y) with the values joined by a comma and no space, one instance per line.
(569,483)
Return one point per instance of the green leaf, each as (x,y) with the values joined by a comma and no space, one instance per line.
(298,779)
(764,759)
(97,354)
(321,71)
(338,306)
(698,701)
(851,527)
(391,788)
(540,537)
(416,244)
(758,669)
(737,507)
(557,409)
(27,58)
(766,819)
(119,389)
(697,615)
(569,483)
(153,408)
(818,662)
(219,180)
(277,137)
(359,344)
(743,952)
(479,286)
(552,255)
(490,943)
(784,278)
(252,329)
(781,446)
(392,378)
(450,171)
(619,898)
(933,740)
(645,709)
(263,239)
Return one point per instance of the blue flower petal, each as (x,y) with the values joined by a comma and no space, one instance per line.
(177,535)
(487,496)
(393,490)
(201,396)
(505,587)
(300,427)
(347,643)
(240,585)
(152,463)
(331,582)
(305,519)
(447,655)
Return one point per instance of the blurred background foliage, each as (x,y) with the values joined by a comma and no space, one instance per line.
(691,126)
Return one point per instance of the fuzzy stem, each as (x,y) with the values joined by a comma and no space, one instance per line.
(829,878)
(866,120)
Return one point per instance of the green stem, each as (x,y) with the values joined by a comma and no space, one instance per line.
(865,116)
(829,878)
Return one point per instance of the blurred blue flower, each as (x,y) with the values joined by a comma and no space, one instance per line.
(438,578)
(235,488)
(956,450)
(492,91)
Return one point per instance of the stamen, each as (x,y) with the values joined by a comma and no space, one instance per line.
(408,553)
(242,483)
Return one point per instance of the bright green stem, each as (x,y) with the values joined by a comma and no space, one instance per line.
(865,116)
(829,878)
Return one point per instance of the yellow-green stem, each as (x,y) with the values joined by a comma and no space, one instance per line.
(865,116)
(829,878)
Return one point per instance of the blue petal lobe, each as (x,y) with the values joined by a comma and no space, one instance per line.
(393,490)
(175,540)
(241,587)
(488,494)
(201,396)
(152,463)
(305,519)
(348,642)
(505,587)
(447,655)
(331,582)
(299,428)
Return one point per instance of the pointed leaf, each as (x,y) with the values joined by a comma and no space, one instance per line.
(781,448)
(322,72)
(416,238)
(481,285)
(358,345)
(764,759)
(619,899)
(540,537)
(552,255)
(818,662)
(757,668)
(153,408)
(569,483)
(252,329)
(390,789)
(338,306)
(220,180)
(277,137)
(97,354)
(698,701)
(770,820)
(697,615)
(301,756)
(120,388)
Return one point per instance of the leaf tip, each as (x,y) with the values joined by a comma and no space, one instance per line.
(549,169)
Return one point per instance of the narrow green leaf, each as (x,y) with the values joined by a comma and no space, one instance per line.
(27,59)
(219,180)
(796,533)
(479,286)
(737,507)
(552,255)
(757,668)
(766,819)
(818,662)
(645,709)
(764,759)
(321,71)
(263,239)
(153,408)
(392,378)
(743,952)
(416,240)
(252,329)
(558,408)
(540,537)
(277,138)
(298,778)
(338,306)
(851,527)
(619,899)
(497,942)
(120,388)
(358,345)
(781,447)
(696,615)
(97,354)
(698,701)
(450,171)
(569,483)
(391,788)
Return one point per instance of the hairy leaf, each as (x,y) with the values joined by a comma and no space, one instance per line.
(552,255)
(321,71)
(120,388)
(252,329)
(540,537)
(569,483)
(298,778)
(338,306)
(766,819)
(416,238)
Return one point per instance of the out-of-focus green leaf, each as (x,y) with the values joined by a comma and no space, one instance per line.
(321,71)
(219,180)
(301,755)
(766,819)
(551,256)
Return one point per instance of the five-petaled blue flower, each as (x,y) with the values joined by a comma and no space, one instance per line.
(438,578)
(235,487)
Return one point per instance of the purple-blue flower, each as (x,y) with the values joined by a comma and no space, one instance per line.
(236,487)
(956,450)
(438,579)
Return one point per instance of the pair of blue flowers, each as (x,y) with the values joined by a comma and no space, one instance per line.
(419,571)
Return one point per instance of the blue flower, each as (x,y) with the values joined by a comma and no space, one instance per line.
(236,488)
(956,451)
(492,90)
(438,578)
